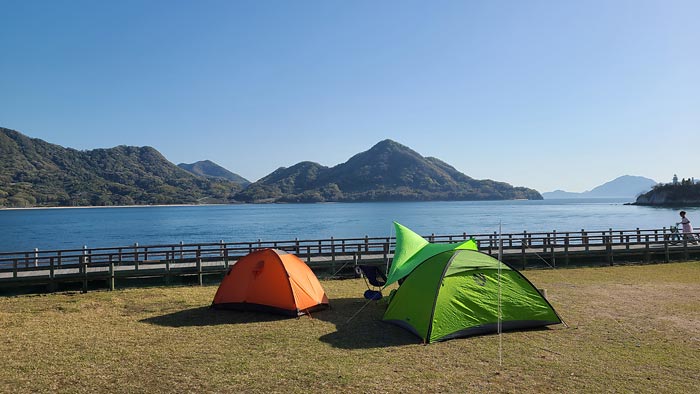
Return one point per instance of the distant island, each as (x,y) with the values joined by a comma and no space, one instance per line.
(677,194)
(388,171)
(35,173)
(626,186)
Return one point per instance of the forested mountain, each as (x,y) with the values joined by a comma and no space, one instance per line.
(388,171)
(36,173)
(209,169)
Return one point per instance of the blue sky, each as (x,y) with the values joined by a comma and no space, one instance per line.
(544,94)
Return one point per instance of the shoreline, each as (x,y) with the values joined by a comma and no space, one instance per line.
(112,206)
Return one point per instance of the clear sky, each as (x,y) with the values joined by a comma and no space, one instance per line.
(545,94)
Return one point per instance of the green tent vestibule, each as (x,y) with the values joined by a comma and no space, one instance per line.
(453,292)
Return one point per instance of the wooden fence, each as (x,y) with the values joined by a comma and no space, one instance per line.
(103,267)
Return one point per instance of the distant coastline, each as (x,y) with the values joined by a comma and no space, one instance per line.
(612,200)
(43,175)
(110,206)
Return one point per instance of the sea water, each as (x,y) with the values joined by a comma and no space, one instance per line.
(72,228)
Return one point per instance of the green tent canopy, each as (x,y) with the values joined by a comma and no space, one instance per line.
(451,290)
(412,249)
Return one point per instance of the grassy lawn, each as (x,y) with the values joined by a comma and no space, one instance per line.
(631,329)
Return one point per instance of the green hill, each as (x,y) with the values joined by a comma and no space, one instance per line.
(388,171)
(36,173)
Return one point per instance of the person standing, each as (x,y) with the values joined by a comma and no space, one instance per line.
(687,228)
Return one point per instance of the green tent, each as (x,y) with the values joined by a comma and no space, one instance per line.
(452,290)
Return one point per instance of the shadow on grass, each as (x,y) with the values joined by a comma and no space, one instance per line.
(207,316)
(359,325)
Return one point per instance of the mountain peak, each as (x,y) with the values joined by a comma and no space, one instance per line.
(209,169)
(389,145)
(388,171)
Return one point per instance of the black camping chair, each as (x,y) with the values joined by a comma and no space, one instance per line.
(374,279)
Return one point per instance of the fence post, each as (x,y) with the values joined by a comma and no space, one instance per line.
(167,272)
(199,265)
(333,252)
(36,257)
(14,268)
(522,250)
(366,243)
(136,256)
(226,262)
(52,283)
(386,252)
(111,273)
(647,256)
(551,247)
(83,266)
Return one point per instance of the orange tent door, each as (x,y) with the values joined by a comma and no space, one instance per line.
(306,288)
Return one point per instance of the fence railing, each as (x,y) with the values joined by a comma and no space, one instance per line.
(333,248)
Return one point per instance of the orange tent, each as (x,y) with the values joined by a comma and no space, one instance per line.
(273,281)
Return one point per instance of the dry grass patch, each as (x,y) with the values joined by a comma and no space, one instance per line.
(631,329)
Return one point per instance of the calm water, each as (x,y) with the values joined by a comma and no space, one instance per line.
(101,227)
